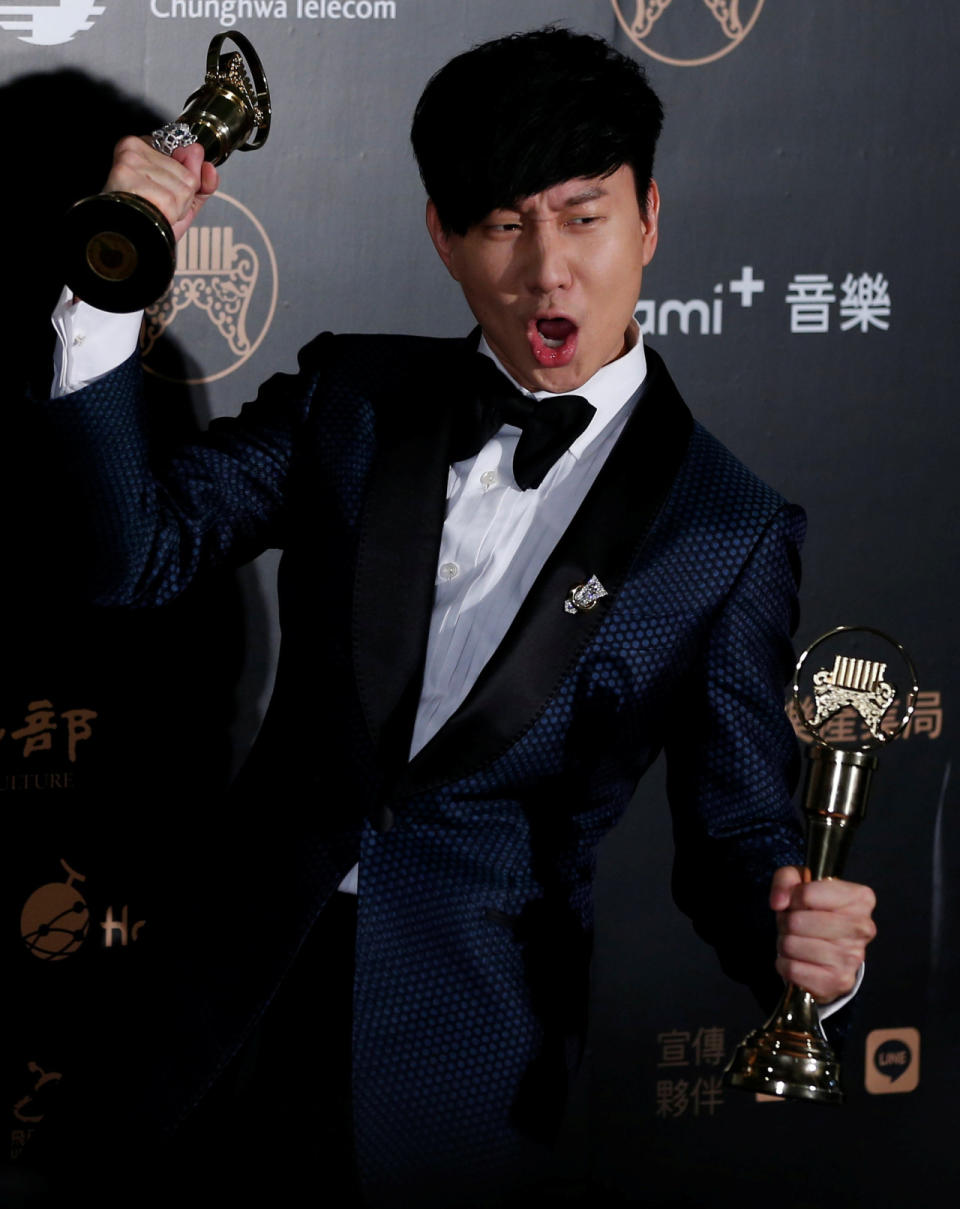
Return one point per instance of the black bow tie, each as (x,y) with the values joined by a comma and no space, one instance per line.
(548,427)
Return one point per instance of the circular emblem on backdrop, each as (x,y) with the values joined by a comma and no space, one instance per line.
(687,33)
(222,300)
(54,921)
(46,23)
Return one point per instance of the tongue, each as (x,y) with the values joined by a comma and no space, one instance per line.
(555,329)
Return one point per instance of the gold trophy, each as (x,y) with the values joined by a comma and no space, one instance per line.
(119,249)
(790,1055)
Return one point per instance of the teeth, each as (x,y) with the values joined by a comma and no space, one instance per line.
(551,343)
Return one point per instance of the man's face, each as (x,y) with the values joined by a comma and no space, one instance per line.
(554,280)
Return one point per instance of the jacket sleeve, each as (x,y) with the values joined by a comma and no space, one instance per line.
(218,501)
(733,763)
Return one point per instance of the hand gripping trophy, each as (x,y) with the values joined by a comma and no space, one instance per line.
(790,1055)
(119,250)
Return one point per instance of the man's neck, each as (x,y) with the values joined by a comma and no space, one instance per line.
(631,341)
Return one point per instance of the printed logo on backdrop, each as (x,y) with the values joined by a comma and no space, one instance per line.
(229,12)
(687,33)
(31,1108)
(892,1061)
(223,297)
(811,305)
(689,1062)
(55,920)
(39,745)
(50,23)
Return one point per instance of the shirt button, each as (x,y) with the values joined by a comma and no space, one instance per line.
(449,571)
(488,479)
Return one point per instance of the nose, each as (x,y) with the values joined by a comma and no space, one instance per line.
(548,260)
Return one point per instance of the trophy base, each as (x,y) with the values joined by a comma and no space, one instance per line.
(782,1062)
(119,252)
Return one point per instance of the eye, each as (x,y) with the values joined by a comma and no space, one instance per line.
(502,230)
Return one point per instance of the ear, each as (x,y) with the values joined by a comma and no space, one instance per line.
(650,222)
(442,239)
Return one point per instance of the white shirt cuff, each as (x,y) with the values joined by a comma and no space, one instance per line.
(829,1008)
(90,343)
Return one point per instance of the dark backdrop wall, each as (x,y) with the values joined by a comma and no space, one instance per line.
(805,297)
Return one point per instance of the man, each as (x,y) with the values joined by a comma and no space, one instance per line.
(502,642)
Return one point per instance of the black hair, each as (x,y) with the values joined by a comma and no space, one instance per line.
(513,117)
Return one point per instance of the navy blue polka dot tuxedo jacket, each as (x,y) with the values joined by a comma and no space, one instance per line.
(476,858)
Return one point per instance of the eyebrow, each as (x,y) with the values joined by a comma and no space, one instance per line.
(585,195)
(591,193)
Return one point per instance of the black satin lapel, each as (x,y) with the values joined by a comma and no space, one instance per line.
(603,539)
(397,556)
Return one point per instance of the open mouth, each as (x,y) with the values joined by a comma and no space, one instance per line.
(553,340)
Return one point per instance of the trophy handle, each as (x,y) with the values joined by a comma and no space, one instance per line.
(261,88)
(229,106)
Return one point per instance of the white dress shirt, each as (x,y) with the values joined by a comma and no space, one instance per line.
(496,537)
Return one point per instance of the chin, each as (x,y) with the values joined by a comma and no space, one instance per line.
(564,383)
